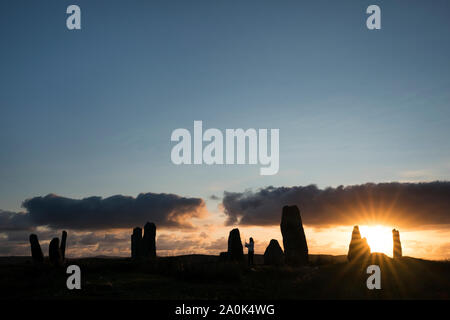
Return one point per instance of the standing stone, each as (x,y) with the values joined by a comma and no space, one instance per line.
(294,240)
(54,252)
(273,254)
(63,244)
(148,242)
(358,249)
(36,251)
(397,244)
(223,257)
(235,249)
(136,243)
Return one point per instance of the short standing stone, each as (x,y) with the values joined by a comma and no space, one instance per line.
(294,240)
(235,249)
(358,249)
(36,251)
(54,252)
(273,254)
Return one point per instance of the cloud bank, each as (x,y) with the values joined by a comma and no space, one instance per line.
(396,204)
(13,221)
(94,213)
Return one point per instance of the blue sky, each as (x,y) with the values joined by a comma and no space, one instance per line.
(91,112)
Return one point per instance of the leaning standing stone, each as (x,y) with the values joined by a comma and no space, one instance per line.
(36,251)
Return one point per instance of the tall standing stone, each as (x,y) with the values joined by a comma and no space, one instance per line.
(54,252)
(294,240)
(273,254)
(358,248)
(63,244)
(36,251)
(397,244)
(136,243)
(235,249)
(148,242)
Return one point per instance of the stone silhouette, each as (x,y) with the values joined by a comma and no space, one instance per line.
(273,254)
(358,249)
(63,244)
(235,249)
(148,241)
(136,243)
(294,240)
(397,244)
(144,247)
(36,251)
(54,252)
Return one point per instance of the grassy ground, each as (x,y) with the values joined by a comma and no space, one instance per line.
(204,277)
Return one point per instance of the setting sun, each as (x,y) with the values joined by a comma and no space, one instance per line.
(378,237)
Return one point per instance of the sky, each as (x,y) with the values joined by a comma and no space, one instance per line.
(89,113)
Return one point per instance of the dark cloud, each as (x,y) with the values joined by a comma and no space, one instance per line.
(167,242)
(96,238)
(13,249)
(20,236)
(399,204)
(93,213)
(220,244)
(13,221)
(87,239)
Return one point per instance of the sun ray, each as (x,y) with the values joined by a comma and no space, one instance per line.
(379,238)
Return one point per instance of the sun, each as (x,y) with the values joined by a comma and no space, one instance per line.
(378,237)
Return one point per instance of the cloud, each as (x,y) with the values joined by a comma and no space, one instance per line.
(13,221)
(396,204)
(169,242)
(220,244)
(13,249)
(79,243)
(94,213)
